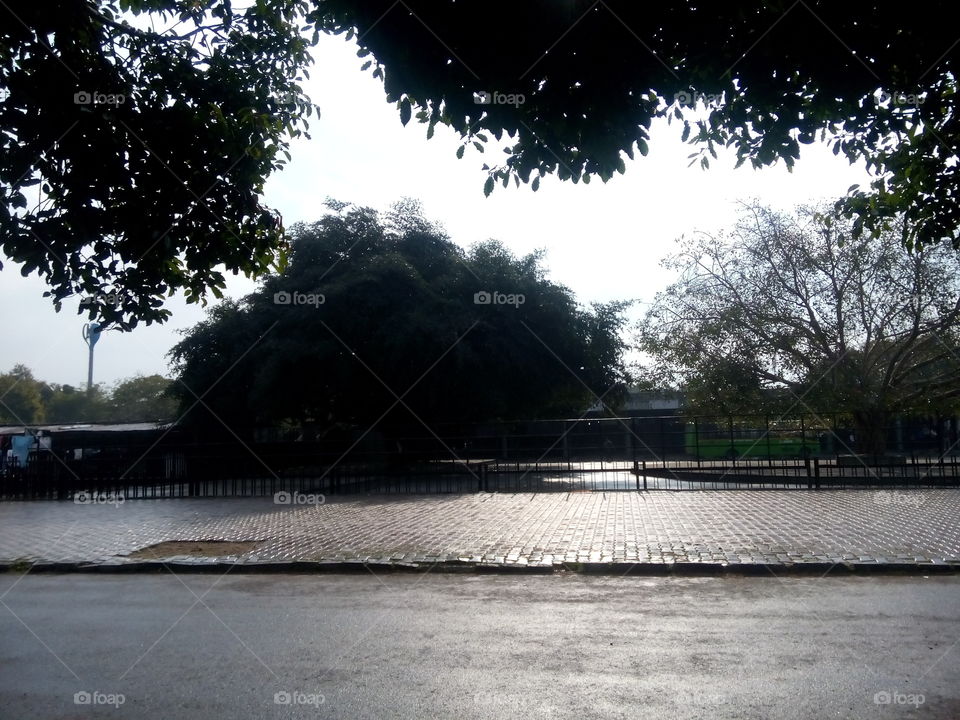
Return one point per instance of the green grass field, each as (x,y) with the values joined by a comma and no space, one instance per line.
(756,447)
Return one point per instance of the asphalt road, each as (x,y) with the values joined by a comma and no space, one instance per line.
(477,646)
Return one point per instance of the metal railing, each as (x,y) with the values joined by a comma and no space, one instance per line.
(640,453)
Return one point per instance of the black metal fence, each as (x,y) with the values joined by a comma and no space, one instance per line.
(639,453)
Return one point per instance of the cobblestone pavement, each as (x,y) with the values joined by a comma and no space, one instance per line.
(722,527)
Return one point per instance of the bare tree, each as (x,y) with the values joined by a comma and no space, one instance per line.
(792,307)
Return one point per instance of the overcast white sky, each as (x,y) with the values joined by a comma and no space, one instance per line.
(603,241)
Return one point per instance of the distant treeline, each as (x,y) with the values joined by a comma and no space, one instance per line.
(24,400)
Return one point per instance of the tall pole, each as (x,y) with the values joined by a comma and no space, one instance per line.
(91,333)
(90,370)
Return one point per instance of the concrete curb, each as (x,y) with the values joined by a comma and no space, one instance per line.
(613,569)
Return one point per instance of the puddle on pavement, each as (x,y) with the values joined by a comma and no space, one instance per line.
(195,548)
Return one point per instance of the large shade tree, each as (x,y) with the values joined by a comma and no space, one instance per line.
(162,191)
(382,320)
(790,312)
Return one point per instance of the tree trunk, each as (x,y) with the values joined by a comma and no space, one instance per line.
(870,431)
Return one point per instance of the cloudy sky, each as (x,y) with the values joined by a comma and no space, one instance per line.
(602,241)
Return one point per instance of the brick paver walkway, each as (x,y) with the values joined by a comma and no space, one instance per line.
(727,527)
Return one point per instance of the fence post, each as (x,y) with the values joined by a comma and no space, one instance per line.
(663,442)
(696,438)
(733,446)
(644,474)
(816,471)
(633,451)
(565,435)
(193,484)
(803,433)
(766,420)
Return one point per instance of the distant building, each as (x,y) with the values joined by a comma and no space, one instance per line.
(73,440)
(643,402)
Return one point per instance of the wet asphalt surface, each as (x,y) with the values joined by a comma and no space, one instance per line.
(477,646)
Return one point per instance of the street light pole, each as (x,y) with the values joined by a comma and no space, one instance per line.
(91,333)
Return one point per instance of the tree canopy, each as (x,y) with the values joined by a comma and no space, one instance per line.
(581,82)
(137,134)
(381,319)
(135,140)
(21,397)
(790,310)
(142,398)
